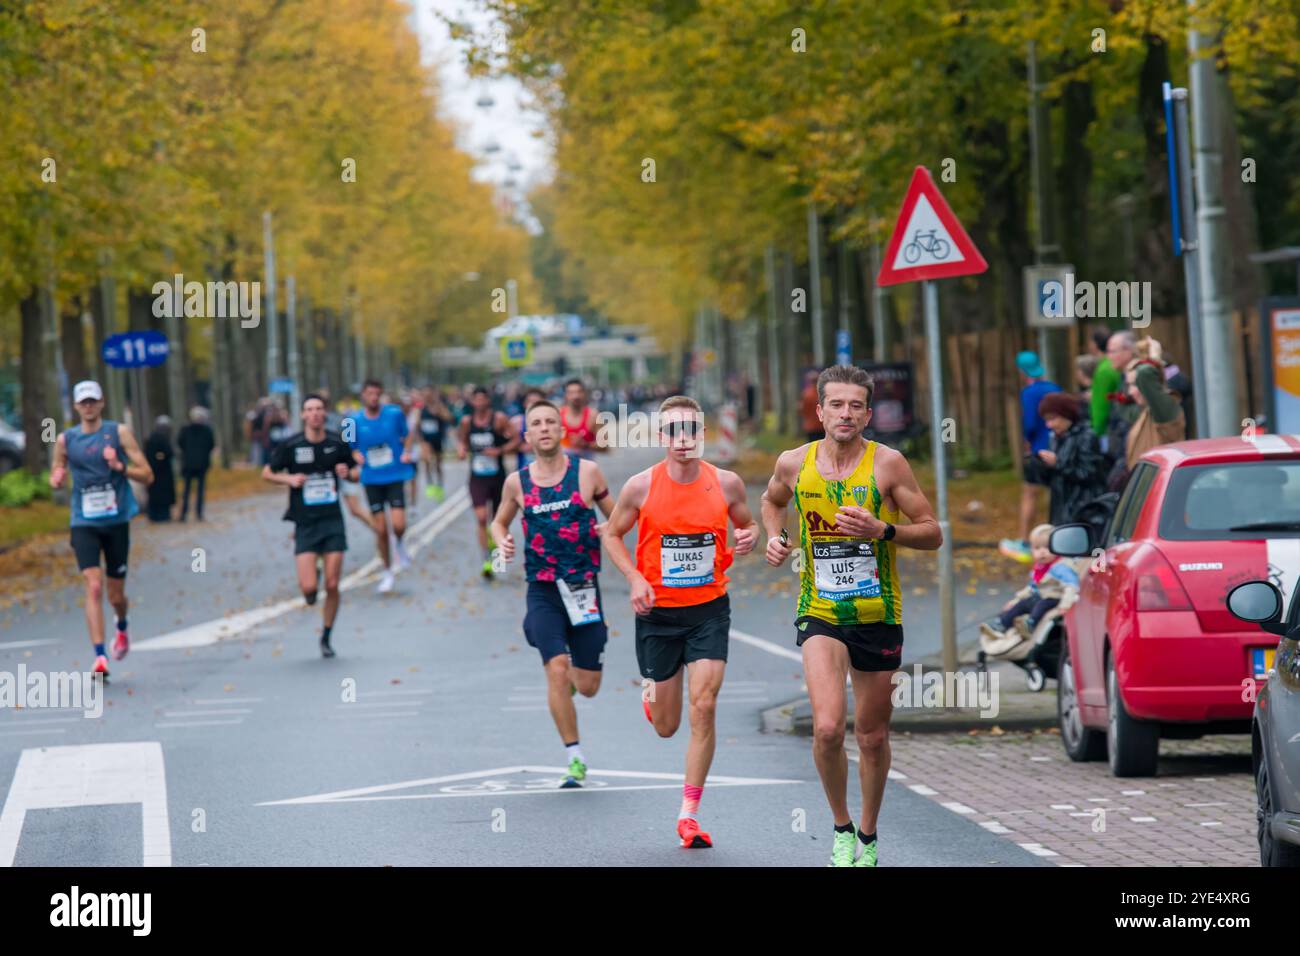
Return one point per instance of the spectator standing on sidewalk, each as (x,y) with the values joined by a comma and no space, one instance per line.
(1121,349)
(1105,380)
(1160,419)
(196,443)
(1037,438)
(158,452)
(1074,468)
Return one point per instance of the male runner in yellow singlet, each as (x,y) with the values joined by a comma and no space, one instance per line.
(849,619)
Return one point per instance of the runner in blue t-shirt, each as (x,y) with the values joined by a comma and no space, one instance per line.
(381,434)
(101,456)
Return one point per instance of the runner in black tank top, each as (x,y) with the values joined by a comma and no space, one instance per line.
(558,495)
(485,437)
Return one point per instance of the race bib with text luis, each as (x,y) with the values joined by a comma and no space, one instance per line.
(686,560)
(843,570)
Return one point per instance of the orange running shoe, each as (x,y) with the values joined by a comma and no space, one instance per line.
(693,838)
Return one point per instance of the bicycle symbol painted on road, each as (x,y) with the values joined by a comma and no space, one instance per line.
(929,242)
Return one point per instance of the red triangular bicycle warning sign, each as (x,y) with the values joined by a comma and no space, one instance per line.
(928,241)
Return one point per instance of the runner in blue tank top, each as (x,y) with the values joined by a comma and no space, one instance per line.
(558,495)
(380,433)
(101,455)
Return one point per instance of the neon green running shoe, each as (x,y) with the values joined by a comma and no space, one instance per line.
(428,491)
(487,568)
(868,855)
(842,851)
(438,493)
(577,769)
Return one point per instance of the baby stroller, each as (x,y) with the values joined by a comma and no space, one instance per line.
(1036,653)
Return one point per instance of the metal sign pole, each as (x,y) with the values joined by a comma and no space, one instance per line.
(947,608)
(1181,149)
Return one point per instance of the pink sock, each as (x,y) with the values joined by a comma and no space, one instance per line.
(690,801)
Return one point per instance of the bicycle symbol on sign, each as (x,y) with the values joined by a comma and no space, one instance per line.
(926,242)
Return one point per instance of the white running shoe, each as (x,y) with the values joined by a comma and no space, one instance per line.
(385,583)
(403,557)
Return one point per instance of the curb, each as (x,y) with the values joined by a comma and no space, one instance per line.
(1019,710)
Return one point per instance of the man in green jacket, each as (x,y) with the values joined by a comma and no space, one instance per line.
(1105,380)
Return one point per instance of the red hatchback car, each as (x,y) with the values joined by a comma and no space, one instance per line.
(1150,647)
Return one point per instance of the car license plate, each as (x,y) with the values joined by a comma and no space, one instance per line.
(1262,659)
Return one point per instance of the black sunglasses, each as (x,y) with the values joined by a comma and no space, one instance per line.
(691,429)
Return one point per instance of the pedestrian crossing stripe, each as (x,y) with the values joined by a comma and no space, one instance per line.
(546,780)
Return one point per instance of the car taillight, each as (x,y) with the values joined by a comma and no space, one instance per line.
(1158,587)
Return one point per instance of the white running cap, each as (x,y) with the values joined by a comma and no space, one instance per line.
(85,390)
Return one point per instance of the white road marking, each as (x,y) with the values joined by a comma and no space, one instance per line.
(90,775)
(199,723)
(16,645)
(1040,759)
(44,730)
(895,775)
(1143,819)
(1220,803)
(207,713)
(1064,806)
(994,827)
(384,791)
(227,700)
(1037,849)
(1211,823)
(24,721)
(922,789)
(956,807)
(210,632)
(394,693)
(371,713)
(379,703)
(771,648)
(1134,793)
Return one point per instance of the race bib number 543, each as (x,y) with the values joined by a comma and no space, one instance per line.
(686,560)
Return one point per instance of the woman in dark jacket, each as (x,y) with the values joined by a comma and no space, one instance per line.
(1075,469)
(158,449)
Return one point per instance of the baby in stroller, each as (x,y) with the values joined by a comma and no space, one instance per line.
(1053,582)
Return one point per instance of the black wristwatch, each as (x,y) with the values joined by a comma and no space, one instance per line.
(890,531)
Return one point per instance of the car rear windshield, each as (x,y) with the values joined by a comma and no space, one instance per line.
(1206,502)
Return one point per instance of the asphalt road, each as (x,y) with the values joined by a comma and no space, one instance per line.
(418,744)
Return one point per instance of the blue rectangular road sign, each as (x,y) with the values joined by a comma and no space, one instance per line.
(143,349)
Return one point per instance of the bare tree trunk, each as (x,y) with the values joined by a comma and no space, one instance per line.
(32,375)
(74,341)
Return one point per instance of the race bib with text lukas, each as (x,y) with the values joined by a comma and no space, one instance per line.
(843,570)
(686,560)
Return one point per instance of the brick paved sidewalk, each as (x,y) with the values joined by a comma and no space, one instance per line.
(1199,810)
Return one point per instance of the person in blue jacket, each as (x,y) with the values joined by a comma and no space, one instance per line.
(1037,438)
